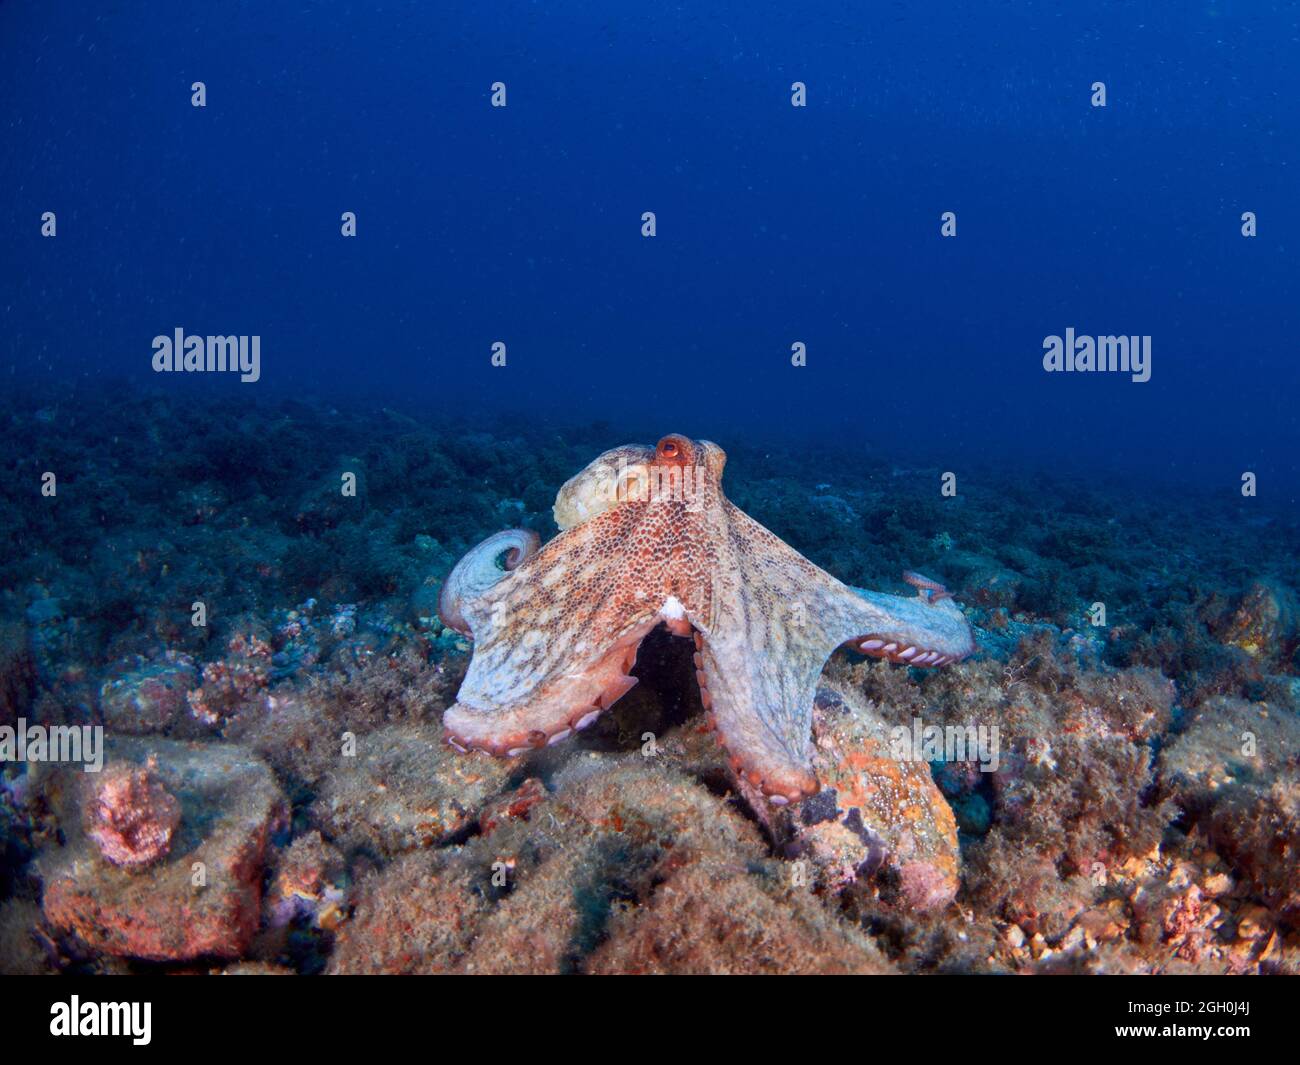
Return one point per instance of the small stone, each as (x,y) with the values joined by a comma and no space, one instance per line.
(1073,938)
(1217,885)
(1270,948)
(512,806)
(1252,922)
(1184,873)
(1266,623)
(307,880)
(1242,951)
(1102,925)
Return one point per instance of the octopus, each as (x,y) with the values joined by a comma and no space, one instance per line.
(647,537)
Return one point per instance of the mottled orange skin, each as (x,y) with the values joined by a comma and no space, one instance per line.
(556,636)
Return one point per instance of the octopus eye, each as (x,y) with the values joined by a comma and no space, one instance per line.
(668,449)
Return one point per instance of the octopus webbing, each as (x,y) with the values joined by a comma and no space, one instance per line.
(648,537)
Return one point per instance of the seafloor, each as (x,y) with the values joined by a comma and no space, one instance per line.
(276,796)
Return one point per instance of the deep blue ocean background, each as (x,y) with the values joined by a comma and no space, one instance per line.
(775,224)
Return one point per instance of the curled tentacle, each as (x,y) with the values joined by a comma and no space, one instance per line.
(931,591)
(481,568)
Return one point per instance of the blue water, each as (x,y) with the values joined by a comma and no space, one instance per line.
(775,224)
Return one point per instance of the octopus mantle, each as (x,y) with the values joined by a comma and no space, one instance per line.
(648,537)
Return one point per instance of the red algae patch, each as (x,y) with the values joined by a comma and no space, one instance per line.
(131,816)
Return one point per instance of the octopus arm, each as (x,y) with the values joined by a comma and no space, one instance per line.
(918,630)
(553,643)
(775,621)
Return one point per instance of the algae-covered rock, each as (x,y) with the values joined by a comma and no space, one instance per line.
(1233,769)
(876,816)
(1265,623)
(403,788)
(721,919)
(204,897)
(609,872)
(148,697)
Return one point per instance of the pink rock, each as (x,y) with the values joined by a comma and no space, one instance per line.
(203,897)
(131,816)
(150,698)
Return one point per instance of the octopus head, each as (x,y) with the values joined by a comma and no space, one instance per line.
(635,473)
